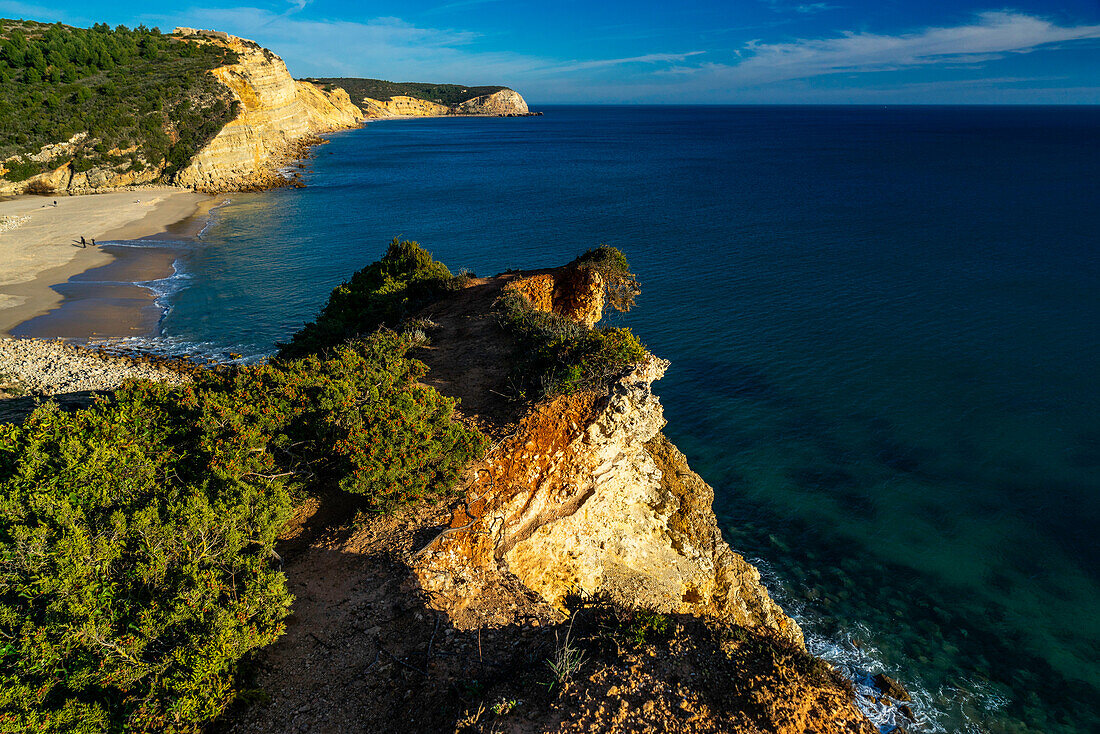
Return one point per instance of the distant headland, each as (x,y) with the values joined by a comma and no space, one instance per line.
(199,109)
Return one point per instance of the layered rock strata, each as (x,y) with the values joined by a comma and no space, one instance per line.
(277,114)
(505,103)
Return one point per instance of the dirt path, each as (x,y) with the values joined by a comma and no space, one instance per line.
(470,356)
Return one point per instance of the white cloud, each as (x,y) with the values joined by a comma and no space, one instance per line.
(392,48)
(388,48)
(456,5)
(784,6)
(992,35)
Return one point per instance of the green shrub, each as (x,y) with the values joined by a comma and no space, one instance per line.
(20,170)
(136,537)
(358,415)
(403,281)
(557,356)
(621,285)
(135,568)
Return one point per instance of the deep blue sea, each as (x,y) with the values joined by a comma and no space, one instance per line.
(884,327)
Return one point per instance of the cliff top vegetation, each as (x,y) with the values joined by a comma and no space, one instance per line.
(139,97)
(137,536)
(444,94)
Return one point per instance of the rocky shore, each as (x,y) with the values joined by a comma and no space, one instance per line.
(32,370)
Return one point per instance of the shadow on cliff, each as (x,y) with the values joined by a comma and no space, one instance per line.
(366,651)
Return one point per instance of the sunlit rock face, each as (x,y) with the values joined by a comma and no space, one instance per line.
(277,114)
(588,496)
(576,293)
(505,103)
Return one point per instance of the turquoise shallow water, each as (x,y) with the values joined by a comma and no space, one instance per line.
(883,329)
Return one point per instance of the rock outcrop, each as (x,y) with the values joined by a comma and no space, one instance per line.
(505,103)
(588,496)
(277,116)
(63,180)
(585,495)
(576,293)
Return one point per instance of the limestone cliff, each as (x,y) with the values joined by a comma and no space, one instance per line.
(277,114)
(583,493)
(589,496)
(505,103)
(402,106)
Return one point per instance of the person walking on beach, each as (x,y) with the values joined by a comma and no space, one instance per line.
(82,242)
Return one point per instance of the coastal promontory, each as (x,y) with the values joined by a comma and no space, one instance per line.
(378,98)
(446,504)
(95,109)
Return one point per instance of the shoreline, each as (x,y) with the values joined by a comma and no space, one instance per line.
(38,259)
(368,120)
(43,305)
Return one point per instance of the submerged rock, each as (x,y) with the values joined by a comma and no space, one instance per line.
(891,687)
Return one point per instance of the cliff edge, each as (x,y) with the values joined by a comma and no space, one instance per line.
(580,581)
(583,493)
(278,116)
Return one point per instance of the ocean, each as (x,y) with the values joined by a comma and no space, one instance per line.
(884,327)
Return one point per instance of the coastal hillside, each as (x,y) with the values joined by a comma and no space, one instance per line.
(82,109)
(445,505)
(85,110)
(379,98)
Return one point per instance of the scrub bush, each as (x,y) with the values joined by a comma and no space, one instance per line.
(403,281)
(135,566)
(137,562)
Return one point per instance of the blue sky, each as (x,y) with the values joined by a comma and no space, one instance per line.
(673,51)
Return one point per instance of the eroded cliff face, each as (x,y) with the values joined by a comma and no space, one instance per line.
(402,106)
(278,116)
(588,496)
(505,103)
(576,293)
(63,180)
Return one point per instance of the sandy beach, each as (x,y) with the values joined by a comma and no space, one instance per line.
(37,248)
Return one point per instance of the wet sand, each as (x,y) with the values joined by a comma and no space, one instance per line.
(104,302)
(37,253)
